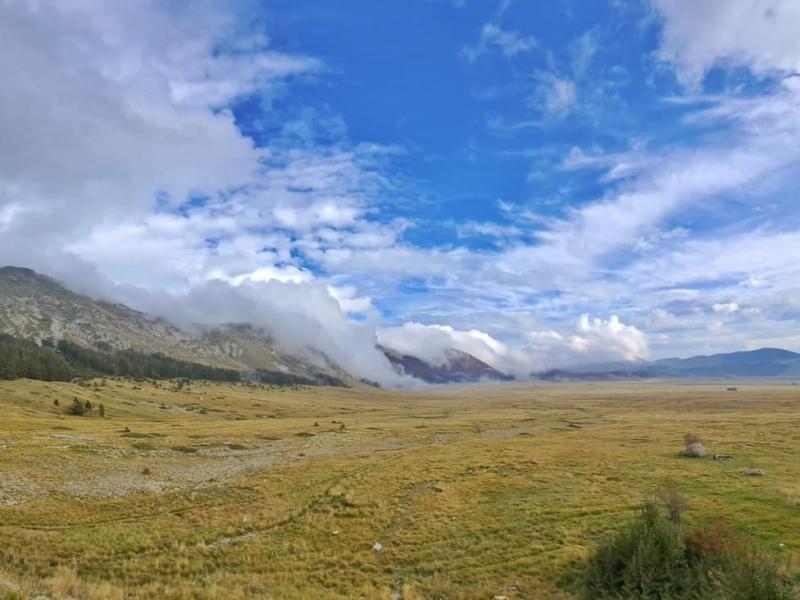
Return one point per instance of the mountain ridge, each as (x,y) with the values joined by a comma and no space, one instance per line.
(38,308)
(757,363)
(457,367)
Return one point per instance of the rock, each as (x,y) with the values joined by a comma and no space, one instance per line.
(377,547)
(695,450)
(723,457)
(753,472)
(336,532)
(500,598)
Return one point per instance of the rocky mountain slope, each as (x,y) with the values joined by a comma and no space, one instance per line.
(36,307)
(459,367)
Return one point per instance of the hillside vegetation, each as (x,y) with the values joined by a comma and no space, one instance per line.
(247,491)
(65,361)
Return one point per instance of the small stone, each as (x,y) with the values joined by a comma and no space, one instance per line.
(500,598)
(753,472)
(377,547)
(336,532)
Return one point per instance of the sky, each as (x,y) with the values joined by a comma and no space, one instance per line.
(541,184)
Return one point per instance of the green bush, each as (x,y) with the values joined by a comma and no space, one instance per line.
(647,560)
(77,408)
(751,575)
(655,559)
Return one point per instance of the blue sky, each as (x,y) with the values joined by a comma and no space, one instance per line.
(539,183)
(473,123)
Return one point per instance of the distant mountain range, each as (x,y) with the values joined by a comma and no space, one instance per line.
(765,362)
(37,308)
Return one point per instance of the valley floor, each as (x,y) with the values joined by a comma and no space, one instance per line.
(229,491)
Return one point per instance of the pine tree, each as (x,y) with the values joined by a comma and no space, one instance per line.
(76,408)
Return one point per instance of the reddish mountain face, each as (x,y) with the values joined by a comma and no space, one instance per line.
(459,367)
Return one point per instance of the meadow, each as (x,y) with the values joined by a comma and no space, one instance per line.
(232,491)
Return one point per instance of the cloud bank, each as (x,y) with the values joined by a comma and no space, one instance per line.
(591,341)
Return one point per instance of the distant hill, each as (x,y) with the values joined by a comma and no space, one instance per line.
(765,362)
(458,367)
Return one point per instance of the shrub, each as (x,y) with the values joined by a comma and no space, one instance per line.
(76,408)
(655,559)
(751,575)
(713,540)
(647,560)
(674,501)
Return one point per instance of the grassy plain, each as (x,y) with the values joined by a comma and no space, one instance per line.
(223,491)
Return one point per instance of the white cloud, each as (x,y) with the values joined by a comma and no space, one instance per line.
(593,340)
(473,228)
(287,274)
(351,302)
(553,95)
(661,319)
(760,35)
(725,308)
(305,319)
(510,43)
(114,116)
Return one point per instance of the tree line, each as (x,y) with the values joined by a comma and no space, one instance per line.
(64,361)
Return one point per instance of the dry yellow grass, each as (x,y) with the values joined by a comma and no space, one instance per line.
(224,491)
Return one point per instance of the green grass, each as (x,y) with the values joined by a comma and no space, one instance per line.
(472,493)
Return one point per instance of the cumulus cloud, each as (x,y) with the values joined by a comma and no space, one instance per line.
(124,174)
(305,319)
(431,342)
(760,35)
(592,340)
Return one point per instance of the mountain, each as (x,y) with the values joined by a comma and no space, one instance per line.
(765,362)
(458,367)
(37,308)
